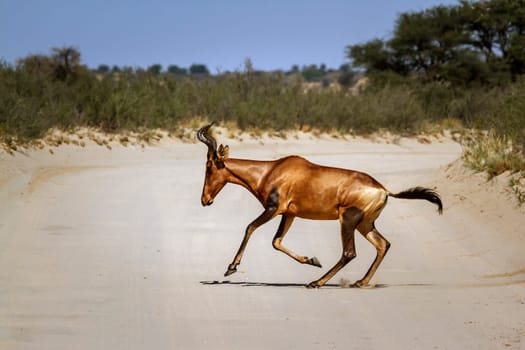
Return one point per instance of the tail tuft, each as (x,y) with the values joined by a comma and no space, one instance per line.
(421,193)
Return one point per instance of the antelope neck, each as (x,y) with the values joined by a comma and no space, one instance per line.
(247,173)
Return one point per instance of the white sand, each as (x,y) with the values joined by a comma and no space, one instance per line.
(111,249)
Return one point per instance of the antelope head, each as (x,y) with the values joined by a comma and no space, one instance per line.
(216,173)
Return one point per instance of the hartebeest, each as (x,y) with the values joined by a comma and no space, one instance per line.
(294,187)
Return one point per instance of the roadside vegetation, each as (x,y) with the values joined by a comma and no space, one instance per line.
(468,60)
(458,67)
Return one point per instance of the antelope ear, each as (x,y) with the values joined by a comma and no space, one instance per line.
(223,152)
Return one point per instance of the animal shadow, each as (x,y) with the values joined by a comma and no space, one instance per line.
(303,285)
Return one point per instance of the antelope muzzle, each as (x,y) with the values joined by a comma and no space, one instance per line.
(206,200)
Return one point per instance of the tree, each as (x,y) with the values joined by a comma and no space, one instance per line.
(62,64)
(294,69)
(176,70)
(248,65)
(199,69)
(312,73)
(424,41)
(155,69)
(346,75)
(481,41)
(345,67)
(516,55)
(36,64)
(497,29)
(66,60)
(373,55)
(103,69)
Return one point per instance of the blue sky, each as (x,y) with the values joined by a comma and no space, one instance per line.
(220,34)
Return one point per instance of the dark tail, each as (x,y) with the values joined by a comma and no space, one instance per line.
(421,193)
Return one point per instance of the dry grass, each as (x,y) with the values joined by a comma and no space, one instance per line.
(493,154)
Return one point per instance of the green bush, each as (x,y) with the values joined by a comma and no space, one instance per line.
(32,101)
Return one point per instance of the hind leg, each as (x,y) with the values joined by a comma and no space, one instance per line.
(349,221)
(382,246)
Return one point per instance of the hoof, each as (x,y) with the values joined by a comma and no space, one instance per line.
(363,285)
(314,261)
(231,270)
(312,285)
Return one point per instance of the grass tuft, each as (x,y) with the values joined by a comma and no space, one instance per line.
(492,154)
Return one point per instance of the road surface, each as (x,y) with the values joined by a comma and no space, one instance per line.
(112,250)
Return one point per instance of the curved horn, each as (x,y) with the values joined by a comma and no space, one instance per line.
(207,139)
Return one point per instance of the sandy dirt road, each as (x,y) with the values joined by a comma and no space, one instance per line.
(112,250)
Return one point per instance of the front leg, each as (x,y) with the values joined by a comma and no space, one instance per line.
(286,222)
(268,214)
(232,268)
